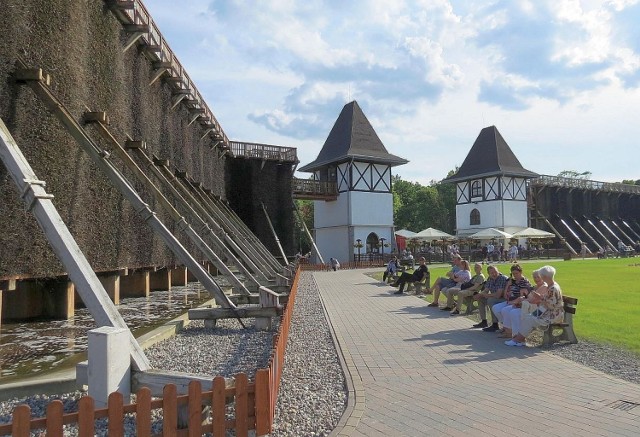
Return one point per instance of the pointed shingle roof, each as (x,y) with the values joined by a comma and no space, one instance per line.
(490,155)
(352,137)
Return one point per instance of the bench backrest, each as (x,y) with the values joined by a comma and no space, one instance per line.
(570,304)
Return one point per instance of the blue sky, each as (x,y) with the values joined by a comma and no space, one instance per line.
(559,78)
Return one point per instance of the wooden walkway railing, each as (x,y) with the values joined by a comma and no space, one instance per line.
(137,21)
(254,403)
(265,152)
(308,189)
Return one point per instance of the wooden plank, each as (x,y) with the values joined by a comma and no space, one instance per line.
(218,406)
(86,410)
(241,406)
(116,414)
(228,313)
(136,28)
(169,411)
(143,412)
(570,300)
(131,144)
(20,425)
(262,402)
(195,409)
(96,116)
(55,410)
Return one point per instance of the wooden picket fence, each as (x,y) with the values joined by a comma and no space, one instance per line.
(346,266)
(242,407)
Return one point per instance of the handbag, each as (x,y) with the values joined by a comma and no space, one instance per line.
(466,285)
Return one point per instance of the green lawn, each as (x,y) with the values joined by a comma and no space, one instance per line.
(608,293)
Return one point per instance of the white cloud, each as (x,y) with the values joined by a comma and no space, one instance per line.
(558,77)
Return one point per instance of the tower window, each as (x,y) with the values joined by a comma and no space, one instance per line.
(476,189)
(475,217)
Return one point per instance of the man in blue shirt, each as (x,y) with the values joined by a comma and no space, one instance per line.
(492,294)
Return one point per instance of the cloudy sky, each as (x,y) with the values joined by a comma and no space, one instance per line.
(559,78)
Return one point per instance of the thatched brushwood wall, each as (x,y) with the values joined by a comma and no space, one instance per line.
(79,43)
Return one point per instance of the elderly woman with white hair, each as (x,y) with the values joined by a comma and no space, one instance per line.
(550,308)
(511,316)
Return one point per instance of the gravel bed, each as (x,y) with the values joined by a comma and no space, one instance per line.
(313,393)
(225,350)
(603,357)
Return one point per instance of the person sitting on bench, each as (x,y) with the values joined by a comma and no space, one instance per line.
(464,290)
(550,308)
(448,282)
(492,294)
(417,276)
(460,277)
(392,269)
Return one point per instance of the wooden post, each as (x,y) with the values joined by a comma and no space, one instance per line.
(135,284)
(1,308)
(191,277)
(111,284)
(179,276)
(160,279)
(64,300)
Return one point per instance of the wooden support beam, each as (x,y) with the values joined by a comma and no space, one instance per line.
(96,117)
(131,41)
(176,101)
(8,285)
(160,162)
(161,280)
(111,284)
(135,285)
(23,75)
(158,74)
(162,64)
(178,92)
(131,144)
(136,28)
(120,5)
(207,132)
(173,80)
(228,313)
(195,117)
(179,276)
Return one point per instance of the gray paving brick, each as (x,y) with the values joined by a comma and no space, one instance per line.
(421,372)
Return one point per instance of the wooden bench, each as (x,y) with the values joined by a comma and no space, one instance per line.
(417,285)
(567,334)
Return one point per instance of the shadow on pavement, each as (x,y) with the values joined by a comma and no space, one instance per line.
(475,344)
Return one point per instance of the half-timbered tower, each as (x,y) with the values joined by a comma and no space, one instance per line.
(491,187)
(356,160)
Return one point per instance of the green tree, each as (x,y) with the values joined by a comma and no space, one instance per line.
(631,182)
(418,207)
(306,211)
(574,174)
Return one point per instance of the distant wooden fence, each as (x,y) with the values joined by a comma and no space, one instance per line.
(345,266)
(254,403)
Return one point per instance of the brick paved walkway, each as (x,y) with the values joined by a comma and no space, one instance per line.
(416,371)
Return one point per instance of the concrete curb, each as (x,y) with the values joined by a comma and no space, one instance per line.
(355,390)
(64,381)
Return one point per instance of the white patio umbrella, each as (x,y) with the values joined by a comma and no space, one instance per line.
(405,233)
(533,233)
(433,234)
(490,233)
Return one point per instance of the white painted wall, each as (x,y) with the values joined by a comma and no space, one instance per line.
(334,213)
(491,215)
(371,208)
(334,242)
